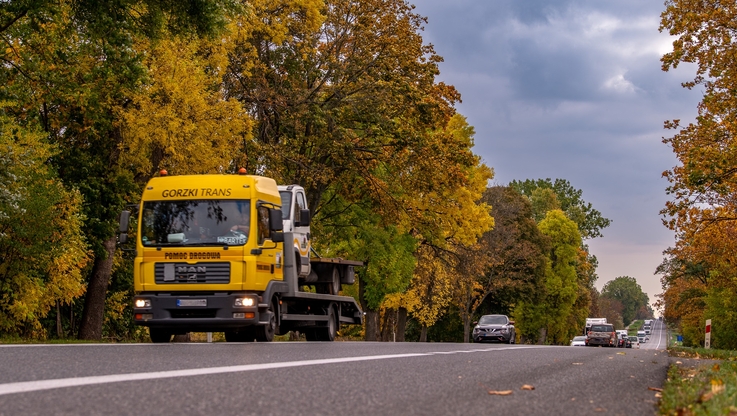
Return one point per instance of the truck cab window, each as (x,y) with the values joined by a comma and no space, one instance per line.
(263,224)
(299,206)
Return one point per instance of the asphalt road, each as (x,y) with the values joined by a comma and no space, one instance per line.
(657,338)
(339,378)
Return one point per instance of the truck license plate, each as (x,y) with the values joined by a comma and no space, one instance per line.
(191,302)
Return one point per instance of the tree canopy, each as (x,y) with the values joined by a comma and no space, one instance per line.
(698,271)
(566,198)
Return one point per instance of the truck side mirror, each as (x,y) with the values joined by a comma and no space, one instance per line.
(304,218)
(275,220)
(124,220)
(123,226)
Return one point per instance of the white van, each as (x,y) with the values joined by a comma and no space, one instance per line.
(641,336)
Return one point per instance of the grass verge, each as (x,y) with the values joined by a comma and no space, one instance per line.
(706,389)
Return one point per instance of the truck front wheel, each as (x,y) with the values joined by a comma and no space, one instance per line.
(265,333)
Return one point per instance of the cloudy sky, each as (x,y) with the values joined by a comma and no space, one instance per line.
(572,90)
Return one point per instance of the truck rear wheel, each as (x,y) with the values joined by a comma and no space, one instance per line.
(159,336)
(328,332)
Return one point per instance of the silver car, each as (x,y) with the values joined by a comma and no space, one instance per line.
(494,328)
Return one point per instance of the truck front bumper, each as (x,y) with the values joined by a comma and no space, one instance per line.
(182,313)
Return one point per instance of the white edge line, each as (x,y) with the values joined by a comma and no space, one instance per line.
(37,385)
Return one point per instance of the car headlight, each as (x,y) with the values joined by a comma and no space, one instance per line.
(142,303)
(505,330)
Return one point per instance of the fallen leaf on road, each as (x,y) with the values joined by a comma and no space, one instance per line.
(678,362)
(500,392)
(577,363)
(621,353)
(600,409)
(527,387)
(611,358)
(658,395)
(655,388)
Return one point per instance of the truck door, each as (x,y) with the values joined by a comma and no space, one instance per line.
(302,233)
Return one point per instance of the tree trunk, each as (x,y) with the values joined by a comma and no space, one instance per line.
(542,334)
(401,323)
(94,303)
(388,331)
(371,322)
(466,328)
(372,325)
(59,333)
(423,334)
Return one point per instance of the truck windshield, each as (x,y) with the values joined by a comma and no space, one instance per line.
(195,222)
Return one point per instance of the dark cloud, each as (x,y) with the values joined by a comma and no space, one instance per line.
(574,90)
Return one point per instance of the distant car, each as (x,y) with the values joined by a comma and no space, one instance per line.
(601,334)
(579,341)
(494,328)
(622,340)
(634,342)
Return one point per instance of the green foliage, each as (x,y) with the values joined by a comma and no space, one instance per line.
(721,308)
(550,316)
(386,251)
(626,290)
(590,221)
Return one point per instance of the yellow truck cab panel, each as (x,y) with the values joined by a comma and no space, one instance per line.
(207,233)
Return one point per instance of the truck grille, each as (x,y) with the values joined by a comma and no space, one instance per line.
(167,273)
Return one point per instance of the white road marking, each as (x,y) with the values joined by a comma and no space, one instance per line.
(29,386)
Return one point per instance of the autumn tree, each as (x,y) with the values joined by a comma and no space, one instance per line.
(515,254)
(42,247)
(346,103)
(69,67)
(698,270)
(611,309)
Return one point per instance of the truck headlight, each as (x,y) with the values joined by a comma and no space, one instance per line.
(142,303)
(244,302)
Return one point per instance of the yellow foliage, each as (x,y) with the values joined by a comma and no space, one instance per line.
(181,120)
(42,247)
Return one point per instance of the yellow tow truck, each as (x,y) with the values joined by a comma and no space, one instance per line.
(210,257)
